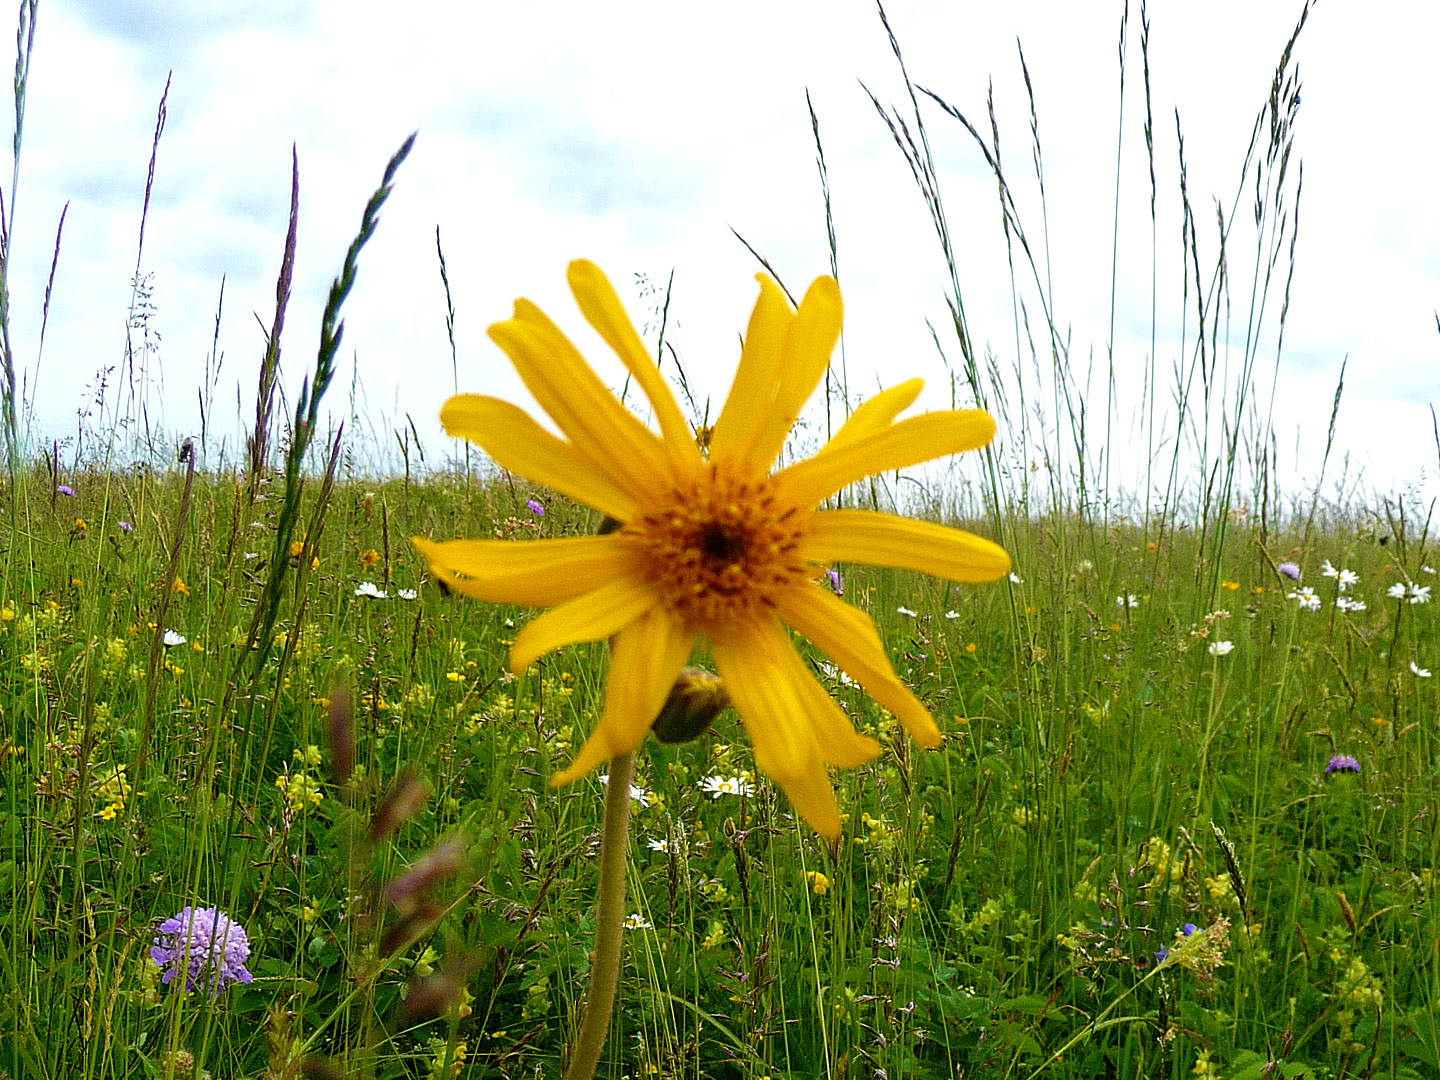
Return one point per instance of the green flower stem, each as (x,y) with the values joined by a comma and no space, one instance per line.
(605,967)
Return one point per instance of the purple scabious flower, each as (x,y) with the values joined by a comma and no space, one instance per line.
(125,526)
(1342,763)
(209,946)
(832,579)
(1290,570)
(65,489)
(535,507)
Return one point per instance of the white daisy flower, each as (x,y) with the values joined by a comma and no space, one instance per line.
(1396,591)
(907,611)
(1305,597)
(1427,569)
(716,786)
(406,594)
(1016,578)
(1344,603)
(1127,600)
(952,614)
(1221,648)
(1420,672)
(370,590)
(637,922)
(1348,578)
(659,845)
(1328,570)
(173,638)
(1419,594)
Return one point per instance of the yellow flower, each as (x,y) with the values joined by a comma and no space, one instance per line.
(369,558)
(711,542)
(818,882)
(179,586)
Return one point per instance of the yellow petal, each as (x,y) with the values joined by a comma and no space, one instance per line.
(875,414)
(629,454)
(539,573)
(774,706)
(847,636)
(645,662)
(602,310)
(808,345)
(920,438)
(863,536)
(757,379)
(516,442)
(813,797)
(606,609)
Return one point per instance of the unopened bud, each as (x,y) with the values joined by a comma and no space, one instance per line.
(400,804)
(434,866)
(695,700)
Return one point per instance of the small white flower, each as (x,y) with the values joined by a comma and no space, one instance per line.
(660,845)
(907,611)
(1427,569)
(369,589)
(1328,570)
(952,614)
(637,922)
(1306,598)
(1348,578)
(1420,672)
(1396,591)
(1344,603)
(1127,600)
(716,786)
(1419,594)
(1221,648)
(637,794)
(1016,578)
(172,638)
(406,594)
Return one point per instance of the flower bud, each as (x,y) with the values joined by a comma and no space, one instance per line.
(695,700)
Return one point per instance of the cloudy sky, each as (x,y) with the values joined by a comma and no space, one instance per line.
(639,134)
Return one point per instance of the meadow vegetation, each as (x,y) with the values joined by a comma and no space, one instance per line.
(1183,823)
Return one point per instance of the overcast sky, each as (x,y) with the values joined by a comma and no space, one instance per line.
(639,134)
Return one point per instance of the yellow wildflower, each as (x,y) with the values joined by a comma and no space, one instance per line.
(369,558)
(818,882)
(711,542)
(179,586)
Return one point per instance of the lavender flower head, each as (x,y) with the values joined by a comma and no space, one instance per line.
(832,580)
(1290,570)
(207,944)
(125,526)
(65,489)
(1342,763)
(535,507)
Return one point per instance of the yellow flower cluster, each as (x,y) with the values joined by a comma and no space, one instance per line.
(112,788)
(300,791)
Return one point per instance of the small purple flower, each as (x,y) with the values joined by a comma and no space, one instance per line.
(207,945)
(1289,569)
(1188,929)
(535,507)
(832,579)
(1160,955)
(1342,763)
(124,526)
(65,489)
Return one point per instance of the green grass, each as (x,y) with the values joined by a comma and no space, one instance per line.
(994,908)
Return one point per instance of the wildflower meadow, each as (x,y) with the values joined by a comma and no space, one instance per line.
(802,736)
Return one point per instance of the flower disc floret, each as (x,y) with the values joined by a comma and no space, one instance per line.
(719,548)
